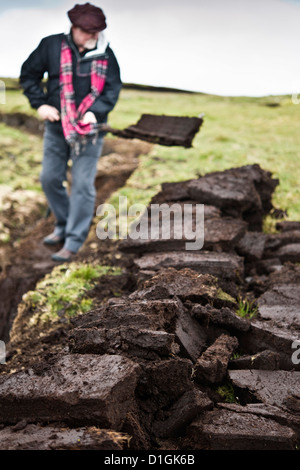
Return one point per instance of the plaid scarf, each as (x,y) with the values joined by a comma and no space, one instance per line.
(74,130)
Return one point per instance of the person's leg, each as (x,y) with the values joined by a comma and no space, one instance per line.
(83,193)
(54,174)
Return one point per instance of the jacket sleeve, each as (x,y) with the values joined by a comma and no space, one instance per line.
(110,94)
(32,73)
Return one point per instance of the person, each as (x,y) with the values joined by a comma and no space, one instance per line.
(83,86)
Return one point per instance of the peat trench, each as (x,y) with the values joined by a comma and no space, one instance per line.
(169,364)
(23,266)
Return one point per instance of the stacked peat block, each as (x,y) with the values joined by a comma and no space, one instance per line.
(172,365)
(244,260)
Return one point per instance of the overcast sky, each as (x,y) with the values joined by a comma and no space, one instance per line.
(225,47)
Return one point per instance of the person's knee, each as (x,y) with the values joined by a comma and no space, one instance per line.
(85,189)
(49,181)
(83,181)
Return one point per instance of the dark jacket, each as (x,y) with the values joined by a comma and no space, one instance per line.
(46,59)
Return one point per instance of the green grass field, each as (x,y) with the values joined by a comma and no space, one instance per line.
(236,131)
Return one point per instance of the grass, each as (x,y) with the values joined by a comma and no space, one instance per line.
(20,159)
(226,392)
(247,309)
(16,102)
(63,292)
(236,131)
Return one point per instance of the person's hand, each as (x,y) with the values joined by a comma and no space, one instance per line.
(47,112)
(89,118)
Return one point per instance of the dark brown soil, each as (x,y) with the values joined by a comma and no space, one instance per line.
(162,361)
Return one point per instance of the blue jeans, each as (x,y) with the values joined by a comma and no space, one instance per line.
(73,212)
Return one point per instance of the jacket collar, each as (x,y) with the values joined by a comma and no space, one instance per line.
(101,47)
(90,55)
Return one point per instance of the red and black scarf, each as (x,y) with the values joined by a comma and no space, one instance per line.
(71,117)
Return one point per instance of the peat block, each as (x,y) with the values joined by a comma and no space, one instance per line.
(281,304)
(35,437)
(278,322)
(264,360)
(288,225)
(270,387)
(214,233)
(187,284)
(148,344)
(221,265)
(212,365)
(190,335)
(274,337)
(252,246)
(239,192)
(182,412)
(163,130)
(143,313)
(163,382)
(223,317)
(70,390)
(230,430)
